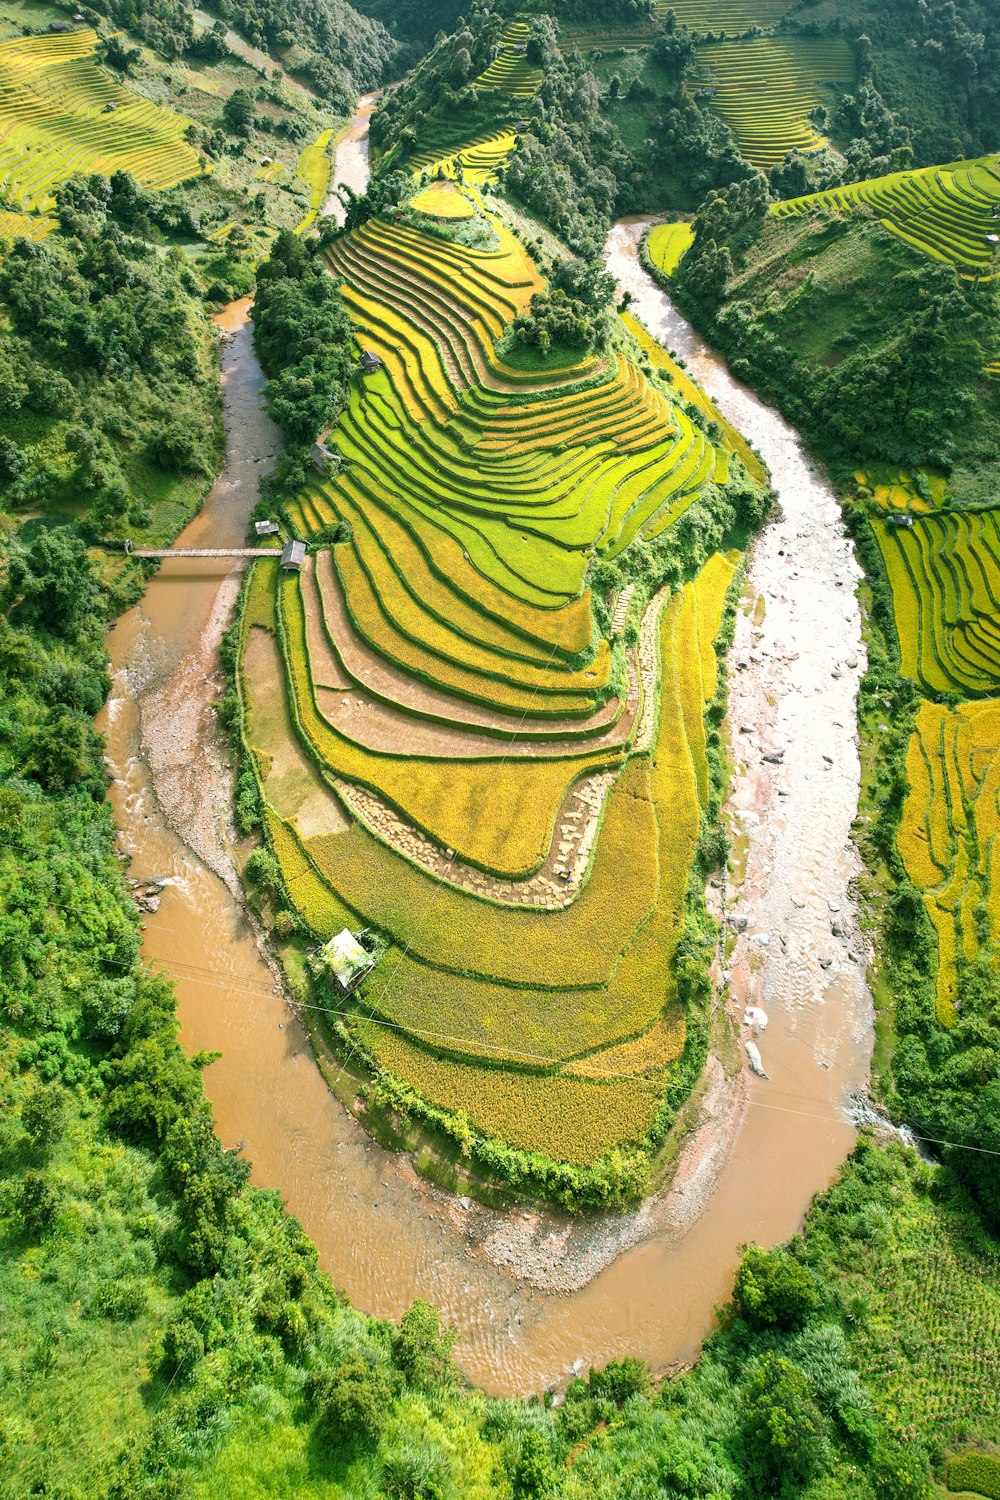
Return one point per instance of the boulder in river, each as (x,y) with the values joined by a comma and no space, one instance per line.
(754,1059)
(754,1016)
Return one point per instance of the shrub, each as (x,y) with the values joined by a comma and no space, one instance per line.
(183,1347)
(979,1472)
(121,1301)
(773,1290)
(33,1203)
(781,1428)
(262,871)
(352,1399)
(43,1115)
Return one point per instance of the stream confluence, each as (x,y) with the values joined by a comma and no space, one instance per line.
(533,1294)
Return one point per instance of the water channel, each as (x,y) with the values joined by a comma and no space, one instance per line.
(532,1294)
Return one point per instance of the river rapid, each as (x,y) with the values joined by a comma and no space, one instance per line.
(532,1294)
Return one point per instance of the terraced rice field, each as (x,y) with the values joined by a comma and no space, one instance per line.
(477,160)
(765,88)
(510,72)
(23,227)
(441,202)
(60,113)
(944,571)
(946,212)
(448,752)
(731,441)
(948,836)
(611,38)
(730,16)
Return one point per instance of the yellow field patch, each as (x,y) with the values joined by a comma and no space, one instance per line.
(948,833)
(667,244)
(61,114)
(443,201)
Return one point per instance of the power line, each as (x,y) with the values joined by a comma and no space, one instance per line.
(534,1057)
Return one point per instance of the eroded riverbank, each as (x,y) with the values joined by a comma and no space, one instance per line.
(764,1149)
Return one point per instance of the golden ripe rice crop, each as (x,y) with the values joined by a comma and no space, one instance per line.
(667,243)
(442,202)
(530,896)
(60,114)
(949,836)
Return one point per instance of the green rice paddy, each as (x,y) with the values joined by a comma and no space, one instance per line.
(949,212)
(529,818)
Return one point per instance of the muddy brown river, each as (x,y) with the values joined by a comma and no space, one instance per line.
(532,1294)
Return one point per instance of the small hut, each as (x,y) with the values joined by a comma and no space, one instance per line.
(346,960)
(323,459)
(901,520)
(60,26)
(266,528)
(293,555)
(110,107)
(370,363)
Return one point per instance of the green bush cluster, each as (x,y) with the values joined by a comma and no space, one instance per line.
(978,1472)
(304,340)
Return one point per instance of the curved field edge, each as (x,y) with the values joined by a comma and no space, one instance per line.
(618,1176)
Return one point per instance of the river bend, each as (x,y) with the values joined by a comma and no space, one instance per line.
(763,1148)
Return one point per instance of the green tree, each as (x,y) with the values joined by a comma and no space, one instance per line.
(352,1399)
(534,1472)
(773,1290)
(43,1115)
(781,1429)
(238,113)
(52,583)
(423,1347)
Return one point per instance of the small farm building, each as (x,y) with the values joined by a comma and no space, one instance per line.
(370,362)
(266,528)
(323,459)
(293,555)
(59,26)
(346,959)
